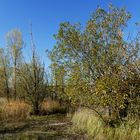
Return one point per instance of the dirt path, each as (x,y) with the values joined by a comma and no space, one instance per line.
(55,127)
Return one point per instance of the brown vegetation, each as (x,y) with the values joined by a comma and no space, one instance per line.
(14,110)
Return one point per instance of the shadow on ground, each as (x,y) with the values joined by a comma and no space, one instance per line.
(54,127)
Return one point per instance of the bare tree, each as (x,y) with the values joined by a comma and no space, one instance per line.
(34,81)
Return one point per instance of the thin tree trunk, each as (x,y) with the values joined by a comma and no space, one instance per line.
(15,88)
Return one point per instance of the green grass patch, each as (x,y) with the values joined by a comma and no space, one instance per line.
(87,123)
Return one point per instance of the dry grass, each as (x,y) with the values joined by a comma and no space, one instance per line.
(13,110)
(51,107)
(87,123)
(19,110)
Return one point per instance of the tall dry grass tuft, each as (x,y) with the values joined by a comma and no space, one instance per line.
(51,107)
(13,110)
(87,123)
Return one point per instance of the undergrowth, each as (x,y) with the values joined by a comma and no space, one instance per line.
(87,123)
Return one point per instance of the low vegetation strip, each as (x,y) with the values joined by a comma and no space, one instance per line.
(43,127)
(13,127)
(87,123)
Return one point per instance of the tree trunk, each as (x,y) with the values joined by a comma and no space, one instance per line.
(15,88)
(36,109)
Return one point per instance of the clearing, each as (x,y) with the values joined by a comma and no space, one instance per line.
(52,127)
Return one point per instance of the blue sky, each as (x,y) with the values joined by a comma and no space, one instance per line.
(46,15)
